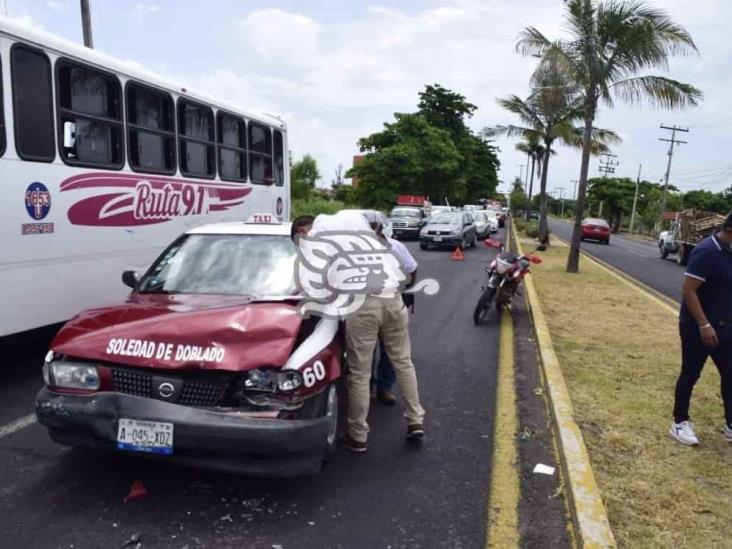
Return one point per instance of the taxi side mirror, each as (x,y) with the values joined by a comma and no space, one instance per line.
(129,278)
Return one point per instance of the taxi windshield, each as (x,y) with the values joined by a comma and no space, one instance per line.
(225,264)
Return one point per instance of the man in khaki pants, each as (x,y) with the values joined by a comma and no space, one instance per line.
(386,316)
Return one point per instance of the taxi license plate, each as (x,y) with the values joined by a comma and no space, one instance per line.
(152,437)
(437,238)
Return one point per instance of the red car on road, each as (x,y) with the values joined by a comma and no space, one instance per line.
(595,229)
(207,361)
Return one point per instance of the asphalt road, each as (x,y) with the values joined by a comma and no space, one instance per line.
(395,495)
(639,259)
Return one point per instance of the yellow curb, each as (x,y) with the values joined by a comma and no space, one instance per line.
(657,297)
(588,512)
(502,530)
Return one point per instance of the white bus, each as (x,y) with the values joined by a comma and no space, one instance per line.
(103,164)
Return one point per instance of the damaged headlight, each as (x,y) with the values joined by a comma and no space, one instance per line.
(270,380)
(72,375)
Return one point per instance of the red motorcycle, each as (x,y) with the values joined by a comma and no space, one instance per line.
(505,274)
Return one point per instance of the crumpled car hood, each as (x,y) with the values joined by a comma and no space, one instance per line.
(184,332)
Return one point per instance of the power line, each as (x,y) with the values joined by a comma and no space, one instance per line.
(673,141)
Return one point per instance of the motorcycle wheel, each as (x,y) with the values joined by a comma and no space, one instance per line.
(484,306)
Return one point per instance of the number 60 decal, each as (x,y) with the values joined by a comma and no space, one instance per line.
(312,374)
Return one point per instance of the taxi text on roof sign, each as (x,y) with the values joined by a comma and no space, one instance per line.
(263,219)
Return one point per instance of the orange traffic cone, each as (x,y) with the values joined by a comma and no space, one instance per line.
(457,255)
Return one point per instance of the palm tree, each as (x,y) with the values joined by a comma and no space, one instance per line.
(534,153)
(612,44)
(549,114)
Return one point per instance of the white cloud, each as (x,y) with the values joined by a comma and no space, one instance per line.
(282,37)
(339,79)
(26,21)
(142,9)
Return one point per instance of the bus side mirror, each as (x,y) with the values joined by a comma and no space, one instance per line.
(69,135)
(129,278)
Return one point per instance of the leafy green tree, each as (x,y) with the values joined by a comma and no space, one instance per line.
(517,199)
(707,201)
(612,44)
(448,110)
(346,194)
(303,176)
(443,108)
(616,196)
(408,157)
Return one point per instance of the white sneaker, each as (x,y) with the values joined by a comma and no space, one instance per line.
(684,433)
(728,433)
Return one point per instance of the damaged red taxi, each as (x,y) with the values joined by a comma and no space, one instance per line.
(207,361)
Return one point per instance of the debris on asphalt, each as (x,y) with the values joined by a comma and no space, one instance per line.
(311,523)
(134,540)
(544,469)
(527,434)
(538,391)
(226,518)
(137,492)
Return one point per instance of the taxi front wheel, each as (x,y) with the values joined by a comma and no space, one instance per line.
(332,411)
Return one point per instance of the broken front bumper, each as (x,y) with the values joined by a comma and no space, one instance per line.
(203,437)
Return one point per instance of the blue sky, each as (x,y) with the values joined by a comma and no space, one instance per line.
(336,70)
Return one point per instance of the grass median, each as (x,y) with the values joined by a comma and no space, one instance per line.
(620,354)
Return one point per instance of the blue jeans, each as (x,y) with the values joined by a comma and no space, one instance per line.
(382,375)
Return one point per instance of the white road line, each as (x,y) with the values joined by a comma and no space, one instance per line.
(17,425)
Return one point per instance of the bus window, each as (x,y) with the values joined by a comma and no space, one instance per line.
(32,104)
(279,158)
(150,129)
(196,140)
(89,116)
(3,142)
(260,154)
(232,147)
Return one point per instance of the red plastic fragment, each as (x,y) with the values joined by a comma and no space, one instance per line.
(137,492)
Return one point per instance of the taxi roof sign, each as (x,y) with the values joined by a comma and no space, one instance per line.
(263,219)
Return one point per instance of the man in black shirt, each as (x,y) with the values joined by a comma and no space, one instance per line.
(706,328)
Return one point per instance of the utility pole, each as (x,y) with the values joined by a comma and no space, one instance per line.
(561,197)
(635,200)
(520,176)
(670,153)
(86,24)
(607,164)
(574,192)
